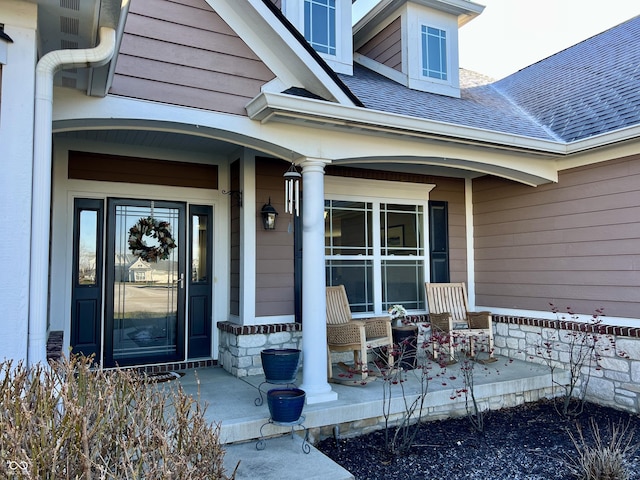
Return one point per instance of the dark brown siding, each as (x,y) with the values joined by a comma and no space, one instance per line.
(386,46)
(575,243)
(181,52)
(117,168)
(274,249)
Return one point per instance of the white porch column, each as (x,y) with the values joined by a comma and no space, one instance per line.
(314,331)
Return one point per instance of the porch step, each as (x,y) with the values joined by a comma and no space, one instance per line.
(502,384)
(282,458)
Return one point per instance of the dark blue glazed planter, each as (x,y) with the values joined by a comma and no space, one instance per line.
(285,404)
(280,365)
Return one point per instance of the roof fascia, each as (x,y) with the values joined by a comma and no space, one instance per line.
(463,9)
(604,139)
(113,14)
(278,46)
(268,107)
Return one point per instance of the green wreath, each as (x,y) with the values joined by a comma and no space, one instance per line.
(155,229)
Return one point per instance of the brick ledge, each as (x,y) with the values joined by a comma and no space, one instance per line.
(633,332)
(234,328)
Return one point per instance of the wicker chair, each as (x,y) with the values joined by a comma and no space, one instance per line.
(345,334)
(450,318)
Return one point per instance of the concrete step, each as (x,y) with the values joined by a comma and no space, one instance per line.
(281,458)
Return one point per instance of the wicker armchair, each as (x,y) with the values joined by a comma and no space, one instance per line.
(450,318)
(345,334)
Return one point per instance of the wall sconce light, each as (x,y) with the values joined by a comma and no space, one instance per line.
(269,215)
(231,193)
(292,190)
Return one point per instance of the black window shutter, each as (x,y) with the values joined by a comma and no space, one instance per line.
(439,241)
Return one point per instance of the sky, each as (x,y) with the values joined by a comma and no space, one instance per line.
(512,34)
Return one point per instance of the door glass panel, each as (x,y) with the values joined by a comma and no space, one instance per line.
(87,251)
(199,252)
(145,300)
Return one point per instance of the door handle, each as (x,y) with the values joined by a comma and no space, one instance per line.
(180,280)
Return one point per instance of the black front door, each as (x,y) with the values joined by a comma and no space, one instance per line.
(144,297)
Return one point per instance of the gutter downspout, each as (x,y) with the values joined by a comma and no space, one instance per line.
(41,187)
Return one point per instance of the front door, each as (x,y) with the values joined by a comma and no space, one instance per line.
(145,287)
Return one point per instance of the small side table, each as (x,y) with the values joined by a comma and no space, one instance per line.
(406,338)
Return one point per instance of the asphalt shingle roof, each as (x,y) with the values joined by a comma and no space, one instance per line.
(585,90)
(588,89)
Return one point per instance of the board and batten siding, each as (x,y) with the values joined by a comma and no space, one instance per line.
(181,52)
(574,244)
(451,190)
(386,46)
(274,248)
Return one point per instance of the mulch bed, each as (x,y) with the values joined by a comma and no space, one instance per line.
(527,442)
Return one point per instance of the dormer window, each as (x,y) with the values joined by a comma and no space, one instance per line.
(320,25)
(434,53)
(326,25)
(413,42)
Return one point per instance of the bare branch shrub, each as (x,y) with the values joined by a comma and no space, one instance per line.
(71,421)
(605,457)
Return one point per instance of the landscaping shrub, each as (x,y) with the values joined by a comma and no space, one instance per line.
(72,421)
(604,458)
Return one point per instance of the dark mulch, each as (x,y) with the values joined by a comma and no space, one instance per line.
(526,442)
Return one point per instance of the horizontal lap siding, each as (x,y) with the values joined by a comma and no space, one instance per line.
(575,243)
(451,190)
(183,53)
(386,46)
(274,249)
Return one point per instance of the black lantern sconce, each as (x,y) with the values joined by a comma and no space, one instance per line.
(269,215)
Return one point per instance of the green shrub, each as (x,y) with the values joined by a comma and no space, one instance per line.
(72,421)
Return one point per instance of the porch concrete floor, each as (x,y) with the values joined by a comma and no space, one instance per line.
(231,403)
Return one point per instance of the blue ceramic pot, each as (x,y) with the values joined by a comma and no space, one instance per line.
(285,404)
(280,365)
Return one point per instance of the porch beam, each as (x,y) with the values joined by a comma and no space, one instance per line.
(314,331)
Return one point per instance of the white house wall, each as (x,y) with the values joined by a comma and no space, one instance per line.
(16,141)
(65,190)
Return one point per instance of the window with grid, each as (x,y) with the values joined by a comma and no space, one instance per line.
(377,251)
(434,53)
(320,25)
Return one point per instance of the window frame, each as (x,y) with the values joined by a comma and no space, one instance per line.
(442,38)
(379,192)
(328,6)
(342,60)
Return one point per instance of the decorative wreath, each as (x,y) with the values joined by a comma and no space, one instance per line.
(153,228)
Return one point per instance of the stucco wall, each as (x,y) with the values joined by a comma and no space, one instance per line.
(16,158)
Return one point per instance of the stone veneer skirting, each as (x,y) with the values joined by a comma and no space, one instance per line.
(615,381)
(240,345)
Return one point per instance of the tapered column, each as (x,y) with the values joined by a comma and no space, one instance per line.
(314,330)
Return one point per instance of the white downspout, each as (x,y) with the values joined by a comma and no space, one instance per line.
(41,187)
